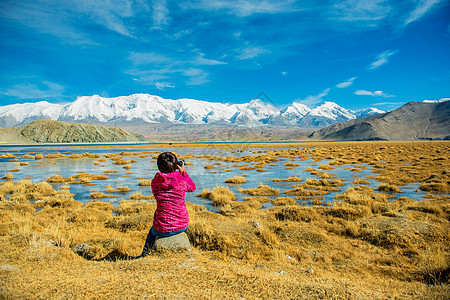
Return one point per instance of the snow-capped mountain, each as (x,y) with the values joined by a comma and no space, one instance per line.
(154,109)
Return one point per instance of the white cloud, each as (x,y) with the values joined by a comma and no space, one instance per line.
(201,60)
(35,90)
(347,83)
(156,69)
(242,8)
(42,18)
(146,58)
(373,94)
(196,76)
(314,100)
(382,58)
(421,9)
(251,52)
(160,14)
(362,10)
(163,85)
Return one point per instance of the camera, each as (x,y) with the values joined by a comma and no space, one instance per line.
(180,162)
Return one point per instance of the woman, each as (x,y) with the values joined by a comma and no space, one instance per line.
(169,187)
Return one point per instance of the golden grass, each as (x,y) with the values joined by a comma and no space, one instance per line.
(139,196)
(361,181)
(236,180)
(120,189)
(8,176)
(261,190)
(258,198)
(389,188)
(290,179)
(220,196)
(98,195)
(145,182)
(284,201)
(55,155)
(362,246)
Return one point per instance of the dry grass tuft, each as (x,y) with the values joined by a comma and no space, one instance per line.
(361,181)
(284,201)
(236,180)
(389,188)
(145,182)
(8,176)
(139,196)
(290,179)
(261,190)
(220,196)
(98,195)
(258,198)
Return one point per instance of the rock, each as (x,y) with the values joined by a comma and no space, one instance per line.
(175,242)
(255,224)
(9,268)
(83,250)
(290,258)
(282,273)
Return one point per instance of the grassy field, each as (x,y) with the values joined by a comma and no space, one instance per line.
(363,246)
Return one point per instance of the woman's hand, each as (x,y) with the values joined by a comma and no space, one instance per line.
(182,168)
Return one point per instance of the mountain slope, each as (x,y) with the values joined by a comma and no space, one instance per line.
(48,131)
(149,109)
(412,121)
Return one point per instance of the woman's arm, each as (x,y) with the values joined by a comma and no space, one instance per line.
(190,184)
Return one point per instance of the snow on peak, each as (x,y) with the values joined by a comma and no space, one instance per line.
(437,101)
(41,109)
(332,111)
(154,109)
(296,109)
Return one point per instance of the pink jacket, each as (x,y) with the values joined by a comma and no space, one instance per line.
(169,190)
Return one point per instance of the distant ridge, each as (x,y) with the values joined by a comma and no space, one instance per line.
(145,109)
(48,131)
(412,121)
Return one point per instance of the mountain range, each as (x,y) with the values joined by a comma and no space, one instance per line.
(412,121)
(149,109)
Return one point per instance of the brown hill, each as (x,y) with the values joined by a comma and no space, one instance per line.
(412,121)
(48,131)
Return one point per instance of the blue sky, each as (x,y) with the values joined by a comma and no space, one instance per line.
(358,54)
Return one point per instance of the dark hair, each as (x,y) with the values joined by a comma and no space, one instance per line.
(167,162)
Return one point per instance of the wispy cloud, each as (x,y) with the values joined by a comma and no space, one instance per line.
(347,83)
(196,76)
(160,70)
(362,10)
(160,14)
(242,8)
(44,18)
(422,8)
(35,90)
(373,94)
(163,85)
(251,52)
(382,58)
(201,60)
(314,100)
